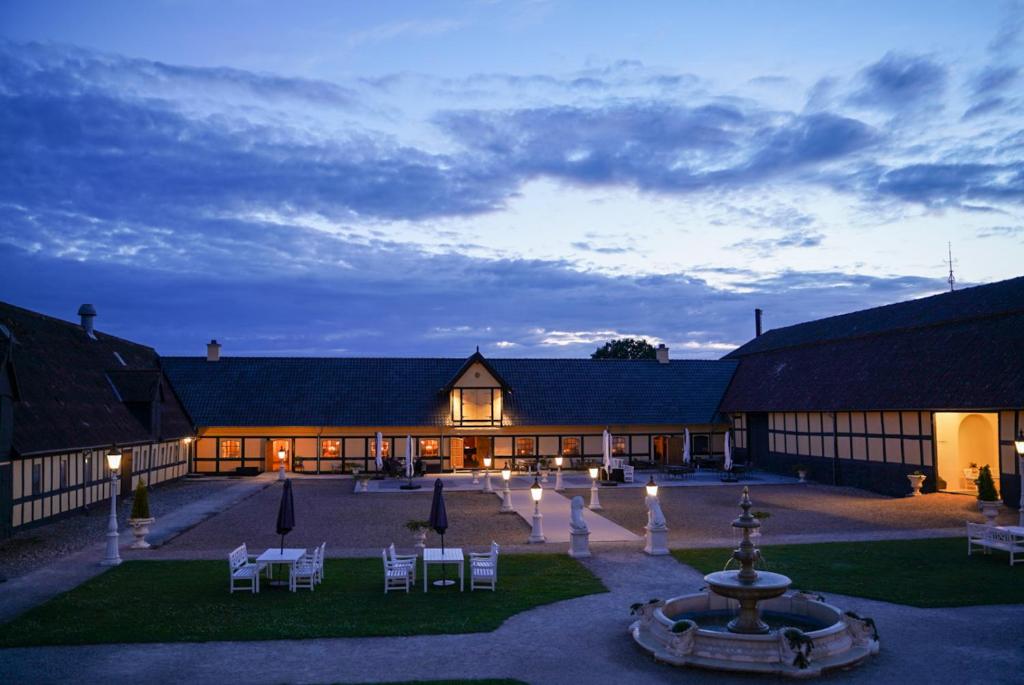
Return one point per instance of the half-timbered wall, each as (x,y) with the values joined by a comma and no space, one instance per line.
(55,484)
(1010,424)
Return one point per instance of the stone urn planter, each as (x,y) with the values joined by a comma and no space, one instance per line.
(140,529)
(419,532)
(990,510)
(362,484)
(916,481)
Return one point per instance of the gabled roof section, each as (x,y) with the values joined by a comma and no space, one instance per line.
(364,392)
(66,381)
(476,358)
(959,350)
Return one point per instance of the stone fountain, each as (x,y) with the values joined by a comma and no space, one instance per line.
(748,620)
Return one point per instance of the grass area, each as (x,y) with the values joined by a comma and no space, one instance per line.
(921,573)
(188,601)
(488,681)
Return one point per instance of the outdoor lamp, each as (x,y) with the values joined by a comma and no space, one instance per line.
(487,474)
(1019,443)
(506,494)
(113,556)
(652,487)
(537,527)
(506,473)
(559,460)
(281,454)
(114,459)
(558,475)
(595,498)
(188,440)
(487,462)
(593,472)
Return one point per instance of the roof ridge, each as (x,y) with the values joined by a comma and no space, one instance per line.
(72,324)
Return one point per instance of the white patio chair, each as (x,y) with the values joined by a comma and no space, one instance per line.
(403,558)
(627,473)
(483,569)
(397,575)
(320,566)
(305,572)
(243,570)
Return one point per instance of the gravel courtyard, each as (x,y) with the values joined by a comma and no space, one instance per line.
(360,524)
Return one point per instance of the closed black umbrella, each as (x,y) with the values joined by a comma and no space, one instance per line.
(286,512)
(439,522)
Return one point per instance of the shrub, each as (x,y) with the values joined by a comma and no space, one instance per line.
(986,486)
(140,503)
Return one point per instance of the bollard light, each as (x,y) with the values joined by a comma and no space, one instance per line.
(536,490)
(506,473)
(652,487)
(559,460)
(1019,443)
(537,527)
(487,462)
(506,494)
(113,556)
(281,455)
(593,472)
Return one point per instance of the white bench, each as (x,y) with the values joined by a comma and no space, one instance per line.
(397,575)
(988,538)
(244,570)
(483,569)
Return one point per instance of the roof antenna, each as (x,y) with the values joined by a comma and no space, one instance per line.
(951,279)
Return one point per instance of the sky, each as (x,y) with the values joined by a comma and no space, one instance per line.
(533,178)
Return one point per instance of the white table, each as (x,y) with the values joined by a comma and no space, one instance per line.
(451,555)
(1016,530)
(288,556)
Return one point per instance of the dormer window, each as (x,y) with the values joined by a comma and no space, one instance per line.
(476,394)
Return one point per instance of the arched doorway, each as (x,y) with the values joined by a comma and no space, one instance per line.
(965,442)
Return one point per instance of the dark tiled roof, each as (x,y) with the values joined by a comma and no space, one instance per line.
(960,350)
(260,391)
(983,300)
(66,386)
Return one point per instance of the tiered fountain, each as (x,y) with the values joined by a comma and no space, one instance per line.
(748,622)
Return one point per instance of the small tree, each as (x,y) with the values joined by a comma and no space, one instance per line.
(625,348)
(986,486)
(140,503)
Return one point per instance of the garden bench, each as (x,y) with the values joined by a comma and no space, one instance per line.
(993,537)
(397,575)
(243,569)
(483,569)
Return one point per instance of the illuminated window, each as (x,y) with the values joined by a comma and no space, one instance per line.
(230,449)
(618,444)
(476,406)
(330,449)
(430,447)
(88,469)
(385,448)
(524,447)
(570,446)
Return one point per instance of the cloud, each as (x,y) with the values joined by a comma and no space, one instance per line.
(1008,37)
(588,246)
(954,184)
(899,82)
(402,29)
(1001,232)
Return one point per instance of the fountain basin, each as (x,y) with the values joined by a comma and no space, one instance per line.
(749,594)
(838,640)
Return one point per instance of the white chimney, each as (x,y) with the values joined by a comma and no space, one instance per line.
(88,314)
(213,351)
(662,354)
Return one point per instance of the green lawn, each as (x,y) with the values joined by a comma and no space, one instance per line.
(186,601)
(921,573)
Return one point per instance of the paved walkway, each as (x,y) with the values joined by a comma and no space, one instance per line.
(23,593)
(583,640)
(556,511)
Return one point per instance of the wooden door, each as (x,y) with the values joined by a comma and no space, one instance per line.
(675,449)
(458,446)
(126,472)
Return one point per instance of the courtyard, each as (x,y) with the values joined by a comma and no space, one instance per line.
(550,615)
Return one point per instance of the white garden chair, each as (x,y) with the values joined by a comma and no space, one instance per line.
(483,569)
(243,570)
(320,565)
(403,559)
(305,573)
(627,473)
(397,575)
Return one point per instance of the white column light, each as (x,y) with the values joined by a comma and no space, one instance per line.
(506,494)
(113,556)
(595,498)
(558,475)
(487,474)
(537,529)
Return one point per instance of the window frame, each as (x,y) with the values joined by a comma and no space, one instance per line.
(459,417)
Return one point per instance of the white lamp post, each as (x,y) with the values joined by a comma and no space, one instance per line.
(537,530)
(595,499)
(281,455)
(1019,446)
(652,488)
(558,474)
(487,474)
(112,556)
(506,494)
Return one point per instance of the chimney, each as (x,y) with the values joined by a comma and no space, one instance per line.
(213,351)
(661,354)
(757,323)
(88,313)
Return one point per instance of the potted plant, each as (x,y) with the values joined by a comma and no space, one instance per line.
(971,472)
(419,531)
(988,497)
(801,472)
(543,469)
(916,481)
(140,519)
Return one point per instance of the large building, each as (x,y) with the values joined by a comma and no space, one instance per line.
(68,393)
(863,399)
(323,415)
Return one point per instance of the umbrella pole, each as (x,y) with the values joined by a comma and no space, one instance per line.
(444,568)
(282,544)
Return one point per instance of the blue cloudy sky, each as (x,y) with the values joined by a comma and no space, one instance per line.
(531,177)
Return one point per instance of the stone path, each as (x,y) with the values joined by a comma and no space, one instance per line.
(23,593)
(583,640)
(556,511)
